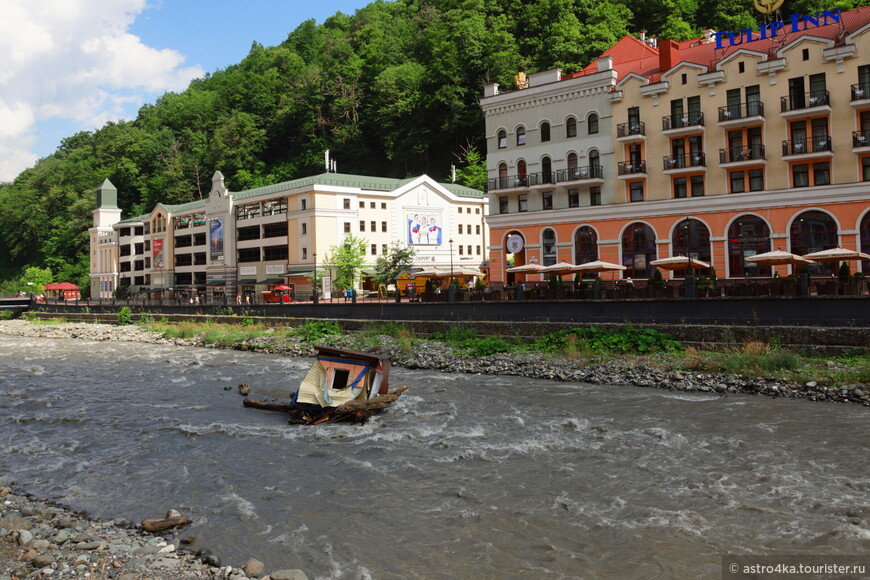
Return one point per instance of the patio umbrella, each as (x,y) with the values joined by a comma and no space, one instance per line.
(526,269)
(777,258)
(559,268)
(598,266)
(466,271)
(679,263)
(837,255)
(430,273)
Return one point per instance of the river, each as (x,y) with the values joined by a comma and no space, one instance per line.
(464,477)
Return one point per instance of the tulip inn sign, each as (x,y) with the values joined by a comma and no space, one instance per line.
(795,23)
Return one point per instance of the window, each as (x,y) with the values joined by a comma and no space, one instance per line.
(362,225)
(374,249)
(592,123)
(303,204)
(594,163)
(679,187)
(272,253)
(383,205)
(741,67)
(523,201)
(521,135)
(737,182)
(697,185)
(478,249)
(545,132)
(594,196)
(805,54)
(304,253)
(800,175)
(304,228)
(502,139)
(502,204)
(748,235)
(571,127)
(573,198)
(383,226)
(460,249)
(477,230)
(865,168)
(756,179)
(374,227)
(346,203)
(384,249)
(278,229)
(469,249)
(460,228)
(684,78)
(183,260)
(821,173)
(249,255)
(548,246)
(362,205)
(477,210)
(347,227)
(199,239)
(636,190)
(547,199)
(372,205)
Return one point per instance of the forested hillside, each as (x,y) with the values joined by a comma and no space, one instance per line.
(392,90)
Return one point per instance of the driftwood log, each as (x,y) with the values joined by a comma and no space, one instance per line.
(160,524)
(356,410)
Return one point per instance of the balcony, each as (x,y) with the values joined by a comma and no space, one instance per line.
(507,182)
(741,114)
(805,104)
(860,140)
(634,168)
(861,95)
(633,132)
(683,124)
(580,174)
(742,155)
(818,146)
(687,161)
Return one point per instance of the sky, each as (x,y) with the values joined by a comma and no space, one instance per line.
(73,65)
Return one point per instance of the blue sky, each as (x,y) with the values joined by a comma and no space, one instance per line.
(73,65)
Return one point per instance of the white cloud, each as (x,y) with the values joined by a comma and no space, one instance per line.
(75,60)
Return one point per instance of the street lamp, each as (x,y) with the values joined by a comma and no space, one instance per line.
(690,275)
(30,288)
(314,297)
(450,241)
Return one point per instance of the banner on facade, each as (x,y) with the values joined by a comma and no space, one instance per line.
(158,258)
(216,239)
(424,228)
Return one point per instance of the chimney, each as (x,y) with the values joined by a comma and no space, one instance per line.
(643,35)
(668,56)
(605,63)
(708,36)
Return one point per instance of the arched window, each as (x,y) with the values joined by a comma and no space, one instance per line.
(638,250)
(594,163)
(748,235)
(521,135)
(691,238)
(545,132)
(592,123)
(585,247)
(548,246)
(571,127)
(864,228)
(502,176)
(502,139)
(522,176)
(546,170)
(572,165)
(814,231)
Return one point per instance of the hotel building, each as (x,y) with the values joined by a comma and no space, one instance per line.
(720,147)
(235,245)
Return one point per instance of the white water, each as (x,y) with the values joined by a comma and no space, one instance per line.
(464,477)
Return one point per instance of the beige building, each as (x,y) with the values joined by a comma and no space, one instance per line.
(232,246)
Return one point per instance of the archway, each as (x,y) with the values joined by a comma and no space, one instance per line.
(814,231)
(748,235)
(638,250)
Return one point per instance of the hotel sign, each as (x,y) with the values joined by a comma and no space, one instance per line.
(796,23)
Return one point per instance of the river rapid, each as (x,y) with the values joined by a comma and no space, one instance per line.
(466,476)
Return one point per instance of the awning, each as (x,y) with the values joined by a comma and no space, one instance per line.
(369,272)
(217,283)
(271,281)
(246,281)
(293,272)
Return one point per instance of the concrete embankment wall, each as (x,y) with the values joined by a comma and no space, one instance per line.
(807,338)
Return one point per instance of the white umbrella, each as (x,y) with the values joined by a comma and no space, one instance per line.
(559,268)
(837,255)
(430,273)
(526,269)
(777,257)
(466,271)
(598,266)
(679,263)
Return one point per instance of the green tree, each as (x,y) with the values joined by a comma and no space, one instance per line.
(389,266)
(473,171)
(34,279)
(348,259)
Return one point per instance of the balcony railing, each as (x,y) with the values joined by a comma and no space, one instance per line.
(861,91)
(507,182)
(632,167)
(684,120)
(817,144)
(696,159)
(630,129)
(735,154)
(804,101)
(542,177)
(579,173)
(860,138)
(737,111)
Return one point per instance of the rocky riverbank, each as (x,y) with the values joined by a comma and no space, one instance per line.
(652,371)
